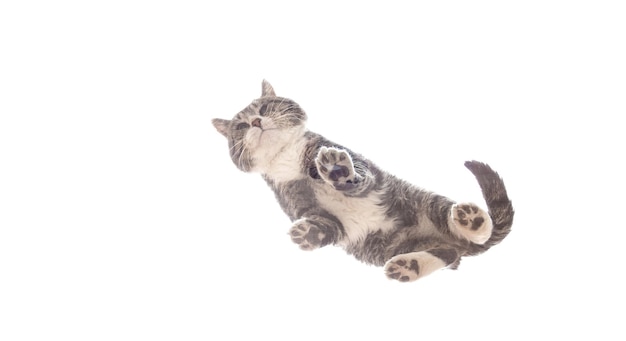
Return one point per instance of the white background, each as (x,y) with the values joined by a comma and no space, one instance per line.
(123,218)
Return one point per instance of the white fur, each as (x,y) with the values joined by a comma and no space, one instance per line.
(278,153)
(359,216)
(428,263)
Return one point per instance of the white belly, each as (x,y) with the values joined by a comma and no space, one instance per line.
(359,216)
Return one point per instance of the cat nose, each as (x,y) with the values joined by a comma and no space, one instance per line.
(256,122)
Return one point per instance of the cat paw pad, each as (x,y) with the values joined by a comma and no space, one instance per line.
(403,269)
(335,167)
(306,235)
(408,267)
(472,222)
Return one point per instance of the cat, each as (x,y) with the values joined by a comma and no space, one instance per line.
(336,196)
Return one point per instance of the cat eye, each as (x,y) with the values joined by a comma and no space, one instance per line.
(263,109)
(241,126)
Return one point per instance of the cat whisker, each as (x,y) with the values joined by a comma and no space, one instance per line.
(240,157)
(238,148)
(236,145)
(285,119)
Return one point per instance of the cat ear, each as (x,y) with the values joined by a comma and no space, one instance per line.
(221,125)
(268,91)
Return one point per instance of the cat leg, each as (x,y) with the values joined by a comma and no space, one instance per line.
(409,267)
(470,222)
(313,232)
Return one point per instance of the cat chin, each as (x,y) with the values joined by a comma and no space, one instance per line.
(253,139)
(277,138)
(262,142)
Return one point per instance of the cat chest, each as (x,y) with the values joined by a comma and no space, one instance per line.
(287,166)
(359,216)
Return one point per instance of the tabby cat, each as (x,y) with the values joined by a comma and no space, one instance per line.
(336,196)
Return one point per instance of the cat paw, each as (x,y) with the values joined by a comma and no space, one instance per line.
(306,235)
(471,222)
(409,267)
(336,168)
(403,269)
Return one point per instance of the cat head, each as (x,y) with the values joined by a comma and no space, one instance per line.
(262,130)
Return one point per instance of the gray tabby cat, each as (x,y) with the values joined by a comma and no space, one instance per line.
(336,196)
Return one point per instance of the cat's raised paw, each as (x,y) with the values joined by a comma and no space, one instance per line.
(471,222)
(336,168)
(306,235)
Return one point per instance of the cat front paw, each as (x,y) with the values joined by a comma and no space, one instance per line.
(306,235)
(336,168)
(471,222)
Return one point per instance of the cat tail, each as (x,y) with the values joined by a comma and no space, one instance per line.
(499,206)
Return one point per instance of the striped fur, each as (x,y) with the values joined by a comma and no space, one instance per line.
(336,196)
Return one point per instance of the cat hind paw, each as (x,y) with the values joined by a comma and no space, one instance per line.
(402,269)
(471,222)
(412,266)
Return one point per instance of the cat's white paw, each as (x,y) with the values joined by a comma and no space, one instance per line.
(336,168)
(306,235)
(412,266)
(471,222)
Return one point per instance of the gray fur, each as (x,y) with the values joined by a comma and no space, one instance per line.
(263,138)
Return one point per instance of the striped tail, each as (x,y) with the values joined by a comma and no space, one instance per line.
(498,203)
